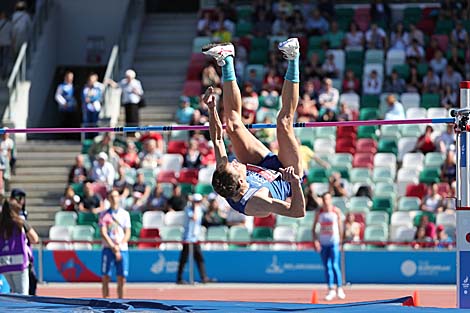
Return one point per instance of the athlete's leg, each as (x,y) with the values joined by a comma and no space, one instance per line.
(288,146)
(336,261)
(247,148)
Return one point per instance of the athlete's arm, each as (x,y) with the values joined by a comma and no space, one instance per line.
(340,225)
(215,129)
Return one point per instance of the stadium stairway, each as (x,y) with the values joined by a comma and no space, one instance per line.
(41,170)
(161,62)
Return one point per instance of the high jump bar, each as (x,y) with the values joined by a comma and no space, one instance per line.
(166,128)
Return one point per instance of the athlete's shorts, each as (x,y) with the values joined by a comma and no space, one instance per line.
(271,161)
(108,261)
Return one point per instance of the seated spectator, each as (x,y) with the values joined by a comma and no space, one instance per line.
(415,33)
(272,81)
(307,109)
(442,239)
(121,184)
(431,82)
(413,83)
(313,201)
(351,83)
(210,78)
(103,171)
(262,26)
(102,144)
(354,39)
(329,96)
(399,38)
(438,63)
(90,202)
(451,77)
(395,84)
(316,24)
(336,185)
(344,113)
(421,239)
(446,141)
(432,202)
(425,143)
(130,157)
(449,97)
(226,21)
(414,53)
(213,217)
(250,104)
(206,24)
(457,61)
(178,201)
(327,115)
(141,186)
(78,172)
(372,84)
(254,80)
(449,168)
(395,110)
(157,201)
(335,37)
(222,34)
(313,68)
(193,156)
(429,227)
(281,25)
(150,157)
(431,49)
(448,203)
(329,68)
(297,24)
(352,229)
(70,201)
(155,136)
(185,112)
(459,36)
(137,203)
(376,38)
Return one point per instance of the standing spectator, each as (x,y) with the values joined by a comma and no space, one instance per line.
(316,24)
(395,84)
(449,168)
(5,45)
(192,228)
(328,243)
(185,112)
(91,101)
(414,53)
(78,172)
(395,110)
(7,147)
(151,156)
(131,97)
(451,77)
(425,143)
(193,157)
(70,201)
(376,38)
(178,200)
(432,202)
(21,26)
(115,228)
(351,83)
(15,232)
(352,229)
(329,96)
(103,171)
(372,84)
(354,39)
(90,202)
(65,98)
(438,63)
(431,82)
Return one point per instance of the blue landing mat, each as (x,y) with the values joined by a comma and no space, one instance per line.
(15,303)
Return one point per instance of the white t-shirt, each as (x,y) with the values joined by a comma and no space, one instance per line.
(116,221)
(6,145)
(128,88)
(354,40)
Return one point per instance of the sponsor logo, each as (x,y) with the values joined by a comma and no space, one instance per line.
(465,285)
(276,267)
(161,265)
(411,268)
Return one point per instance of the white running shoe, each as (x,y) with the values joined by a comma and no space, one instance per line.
(341,294)
(331,295)
(219,51)
(290,48)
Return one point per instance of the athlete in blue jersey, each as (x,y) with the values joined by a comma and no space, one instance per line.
(258,182)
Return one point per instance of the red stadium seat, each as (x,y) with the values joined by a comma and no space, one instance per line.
(167,177)
(443,189)
(359,217)
(188,176)
(268,221)
(416,190)
(427,26)
(192,88)
(198,58)
(366,145)
(443,41)
(345,130)
(194,72)
(149,233)
(177,146)
(345,145)
(363,160)
(245,42)
(303,41)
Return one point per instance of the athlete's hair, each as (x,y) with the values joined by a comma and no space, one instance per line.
(225,183)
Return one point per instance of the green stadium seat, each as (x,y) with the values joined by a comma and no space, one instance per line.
(86,145)
(136,226)
(187,188)
(270,102)
(390,132)
(342,160)
(411,130)
(409,204)
(387,145)
(321,54)
(219,233)
(417,217)
(245,12)
(412,14)
(430,100)
(307,220)
(262,234)
(377,218)
(354,57)
(199,42)
(359,204)
(382,204)
(304,234)
(63,218)
(403,70)
(258,57)
(260,43)
(325,132)
(374,56)
(317,175)
(367,132)
(444,27)
(83,232)
(136,216)
(434,159)
(370,101)
(340,203)
(376,233)
(77,188)
(368,114)
(87,219)
(383,174)
(242,28)
(430,175)
(383,189)
(315,42)
(356,68)
(422,69)
(204,189)
(342,170)
(259,68)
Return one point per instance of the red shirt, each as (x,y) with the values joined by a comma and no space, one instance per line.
(427,145)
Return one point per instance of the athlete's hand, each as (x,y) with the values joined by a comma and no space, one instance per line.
(209,98)
(289,175)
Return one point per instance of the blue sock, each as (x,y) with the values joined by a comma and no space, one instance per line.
(228,71)
(293,70)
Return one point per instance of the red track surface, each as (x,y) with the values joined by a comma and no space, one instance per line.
(430,296)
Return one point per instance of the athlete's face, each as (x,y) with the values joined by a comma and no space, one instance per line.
(237,168)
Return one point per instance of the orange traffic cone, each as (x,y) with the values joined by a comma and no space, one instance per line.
(416,298)
(314,299)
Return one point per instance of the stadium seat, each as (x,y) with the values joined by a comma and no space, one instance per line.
(419,214)
(188,176)
(409,203)
(171,233)
(204,189)
(434,159)
(437,113)
(446,219)
(345,145)
(341,160)
(430,100)
(58,246)
(171,162)
(410,100)
(305,134)
(82,232)
(376,233)
(376,218)
(87,219)
(368,114)
(323,145)
(368,67)
(340,203)
(403,70)
(284,233)
(63,218)
(367,132)
(416,190)
(262,234)
(177,147)
(383,174)
(359,204)
(325,132)
(413,160)
(386,160)
(307,220)
(340,59)
(430,175)
(149,234)
(405,145)
(394,57)
(199,42)
(390,132)
(205,175)
(370,101)
(304,237)
(59,233)
(238,234)
(360,175)
(286,221)
(174,218)
(363,160)
(387,145)
(153,219)
(415,113)
(411,130)
(374,56)
(382,204)
(366,145)
(77,188)
(216,233)
(401,218)
(404,234)
(383,189)
(351,99)
(317,175)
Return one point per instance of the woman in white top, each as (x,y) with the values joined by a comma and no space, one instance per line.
(354,38)
(433,201)
(399,38)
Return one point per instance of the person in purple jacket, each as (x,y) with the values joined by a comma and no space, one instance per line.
(14,251)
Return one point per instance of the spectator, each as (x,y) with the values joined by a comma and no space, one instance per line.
(262,26)
(102,144)
(157,200)
(222,34)
(432,202)
(155,136)
(130,157)
(6,42)
(131,97)
(103,171)
(395,84)
(421,240)
(69,201)
(335,37)
(90,202)
(254,80)
(307,110)
(307,156)
(352,229)
(449,168)
(312,200)
(121,185)
(150,157)
(316,24)
(431,49)
(178,201)
(336,186)
(272,82)
(399,38)
(376,38)
(136,202)
(372,84)
(351,83)
(193,156)
(78,172)
(313,68)
(141,186)
(425,143)
(210,77)
(7,148)
(451,77)
(395,110)
(297,24)
(91,101)
(329,96)
(115,228)
(438,63)
(414,52)
(235,218)
(415,33)
(192,228)
(21,26)
(446,141)
(329,68)
(449,202)
(14,238)
(281,25)
(413,83)
(213,216)
(457,60)
(327,9)
(459,36)
(380,11)
(354,39)
(205,24)
(442,239)
(344,113)
(431,82)
(64,96)
(185,112)
(429,227)
(449,97)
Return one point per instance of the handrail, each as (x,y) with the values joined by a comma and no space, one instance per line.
(15,73)
(111,72)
